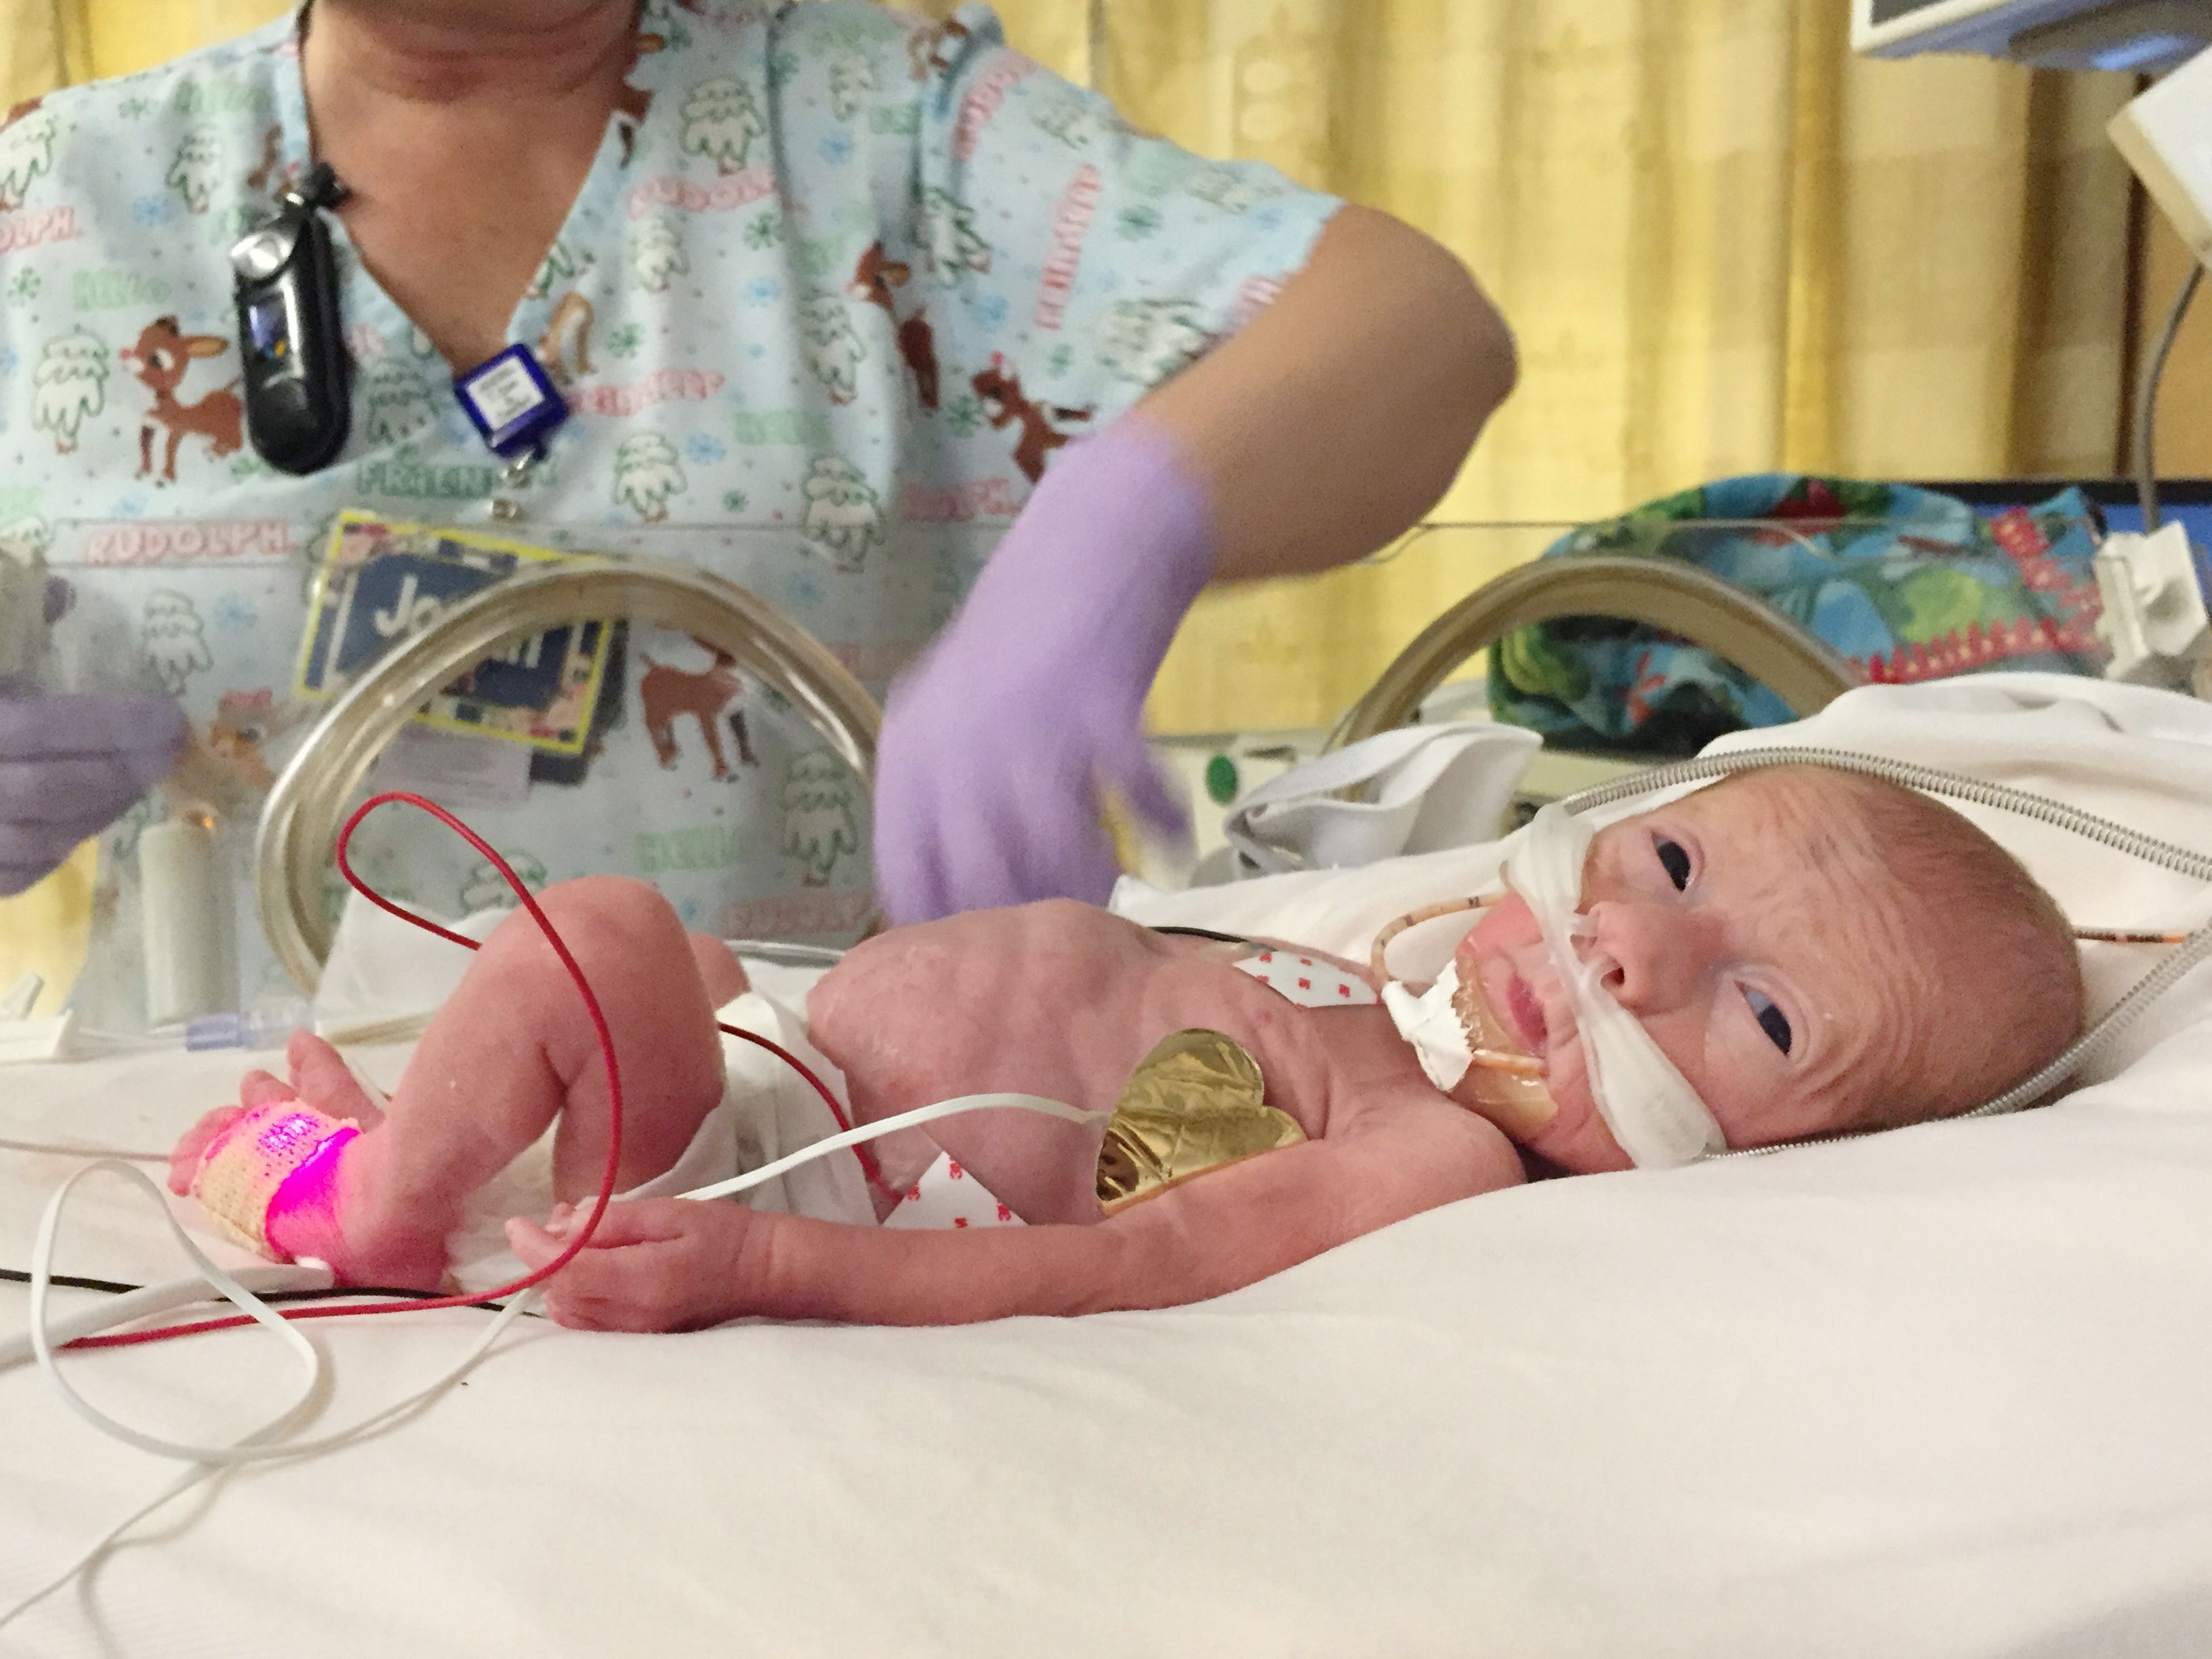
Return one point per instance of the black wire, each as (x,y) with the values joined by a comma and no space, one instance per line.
(71,1282)
(1208,933)
(339,1293)
(2147,401)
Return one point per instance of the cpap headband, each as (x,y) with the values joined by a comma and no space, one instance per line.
(1644,1100)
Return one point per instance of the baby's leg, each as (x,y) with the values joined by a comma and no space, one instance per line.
(512,1049)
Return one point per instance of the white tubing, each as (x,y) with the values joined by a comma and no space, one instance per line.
(46,1335)
(135,1305)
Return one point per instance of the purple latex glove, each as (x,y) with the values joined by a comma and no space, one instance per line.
(995,745)
(69,765)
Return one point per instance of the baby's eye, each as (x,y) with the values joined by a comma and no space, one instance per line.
(1771,1019)
(1674,860)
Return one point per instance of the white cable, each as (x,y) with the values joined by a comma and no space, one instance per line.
(56,1150)
(875,1131)
(177,1488)
(131,1306)
(42,1262)
(209,1460)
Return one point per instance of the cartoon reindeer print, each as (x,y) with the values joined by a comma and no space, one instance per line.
(1001,389)
(667,694)
(633,102)
(269,175)
(569,325)
(873,282)
(245,724)
(929,48)
(159,361)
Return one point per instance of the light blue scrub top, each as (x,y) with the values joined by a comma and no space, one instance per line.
(739,402)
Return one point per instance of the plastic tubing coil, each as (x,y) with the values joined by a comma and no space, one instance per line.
(300,823)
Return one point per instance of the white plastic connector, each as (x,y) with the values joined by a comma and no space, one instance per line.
(2156,620)
(23,627)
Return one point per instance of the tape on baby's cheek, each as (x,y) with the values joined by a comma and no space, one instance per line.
(1433,1024)
(1450,1028)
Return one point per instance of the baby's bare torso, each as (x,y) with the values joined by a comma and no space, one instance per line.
(1064,1000)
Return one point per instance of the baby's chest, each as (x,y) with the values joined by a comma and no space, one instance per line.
(1298,1017)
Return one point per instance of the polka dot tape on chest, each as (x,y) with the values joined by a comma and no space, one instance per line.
(1309,982)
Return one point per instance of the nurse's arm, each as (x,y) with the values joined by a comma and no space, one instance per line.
(1342,413)
(673,1265)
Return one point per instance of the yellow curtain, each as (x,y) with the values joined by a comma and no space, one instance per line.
(45,44)
(1726,244)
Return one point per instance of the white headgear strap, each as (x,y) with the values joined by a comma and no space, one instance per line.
(1649,1106)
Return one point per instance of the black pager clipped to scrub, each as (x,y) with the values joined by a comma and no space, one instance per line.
(290,334)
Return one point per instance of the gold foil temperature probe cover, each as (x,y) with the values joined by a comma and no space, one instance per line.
(1198,1103)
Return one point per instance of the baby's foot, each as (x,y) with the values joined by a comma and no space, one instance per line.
(324,1209)
(319,1077)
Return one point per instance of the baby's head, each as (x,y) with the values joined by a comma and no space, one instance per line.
(1816,951)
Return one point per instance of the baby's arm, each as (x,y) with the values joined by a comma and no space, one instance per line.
(675,1265)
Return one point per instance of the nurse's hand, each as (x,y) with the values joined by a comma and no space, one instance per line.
(70,765)
(998,744)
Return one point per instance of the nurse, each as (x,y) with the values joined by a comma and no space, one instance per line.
(838,298)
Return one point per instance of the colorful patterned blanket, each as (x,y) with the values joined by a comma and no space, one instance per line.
(1909,584)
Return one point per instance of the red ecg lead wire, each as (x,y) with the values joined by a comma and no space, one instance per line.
(600,1031)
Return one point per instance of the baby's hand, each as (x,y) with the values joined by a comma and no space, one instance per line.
(663,1264)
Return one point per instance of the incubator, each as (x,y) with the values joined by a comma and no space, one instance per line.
(635,707)
(1625,642)
(280,854)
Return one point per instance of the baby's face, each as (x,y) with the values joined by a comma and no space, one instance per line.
(1768,957)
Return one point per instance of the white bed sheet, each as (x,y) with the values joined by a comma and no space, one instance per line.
(1940,1393)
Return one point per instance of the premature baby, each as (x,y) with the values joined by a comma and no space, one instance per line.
(1814,951)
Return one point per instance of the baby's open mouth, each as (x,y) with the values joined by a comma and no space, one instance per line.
(1502,1018)
(1526,1015)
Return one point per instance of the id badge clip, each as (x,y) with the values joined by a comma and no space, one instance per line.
(512,402)
(290,334)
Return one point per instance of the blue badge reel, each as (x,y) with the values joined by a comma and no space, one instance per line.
(512,402)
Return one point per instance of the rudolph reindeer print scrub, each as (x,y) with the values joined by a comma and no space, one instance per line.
(839,285)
